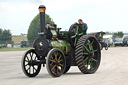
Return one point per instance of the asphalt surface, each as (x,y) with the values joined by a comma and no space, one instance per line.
(112,71)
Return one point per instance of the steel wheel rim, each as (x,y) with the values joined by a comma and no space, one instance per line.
(56,63)
(29,68)
(90,54)
(76,33)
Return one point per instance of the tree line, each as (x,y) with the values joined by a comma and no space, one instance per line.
(5,36)
(116,34)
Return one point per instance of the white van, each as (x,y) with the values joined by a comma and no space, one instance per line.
(109,39)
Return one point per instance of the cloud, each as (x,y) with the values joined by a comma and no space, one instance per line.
(100,15)
(17,16)
(58,5)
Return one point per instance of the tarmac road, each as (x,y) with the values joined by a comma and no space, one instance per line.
(112,71)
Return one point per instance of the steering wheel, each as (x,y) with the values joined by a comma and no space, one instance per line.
(75,32)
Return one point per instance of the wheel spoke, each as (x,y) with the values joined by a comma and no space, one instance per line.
(81,34)
(74,31)
(91,46)
(30,70)
(27,58)
(59,58)
(75,41)
(60,65)
(86,48)
(73,36)
(51,64)
(31,55)
(53,60)
(85,60)
(94,50)
(77,29)
(58,69)
(93,59)
(51,56)
(91,66)
(53,68)
(35,58)
(26,61)
(85,53)
(56,54)
(89,62)
(26,65)
(33,69)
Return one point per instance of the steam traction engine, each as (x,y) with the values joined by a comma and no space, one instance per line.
(60,50)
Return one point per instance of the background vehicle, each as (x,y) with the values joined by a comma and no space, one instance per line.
(24,43)
(107,41)
(99,36)
(3,46)
(118,42)
(125,41)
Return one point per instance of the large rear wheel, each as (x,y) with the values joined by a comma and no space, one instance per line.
(87,54)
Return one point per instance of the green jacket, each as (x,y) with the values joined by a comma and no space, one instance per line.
(84,27)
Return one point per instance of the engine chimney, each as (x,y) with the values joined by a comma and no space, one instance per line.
(42,9)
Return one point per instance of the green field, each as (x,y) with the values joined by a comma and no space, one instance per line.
(14,49)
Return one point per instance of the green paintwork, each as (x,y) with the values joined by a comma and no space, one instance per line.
(62,45)
(87,59)
(66,35)
(54,33)
(77,32)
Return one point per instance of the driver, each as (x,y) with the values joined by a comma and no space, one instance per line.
(83,25)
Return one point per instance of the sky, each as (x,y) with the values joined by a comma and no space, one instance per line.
(100,15)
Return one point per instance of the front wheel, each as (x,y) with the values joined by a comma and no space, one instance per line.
(29,67)
(55,62)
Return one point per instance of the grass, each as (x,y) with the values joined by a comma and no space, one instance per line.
(14,49)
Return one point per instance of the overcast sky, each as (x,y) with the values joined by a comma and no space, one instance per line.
(100,15)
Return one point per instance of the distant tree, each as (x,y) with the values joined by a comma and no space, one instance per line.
(118,34)
(1,35)
(5,36)
(34,27)
(107,32)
